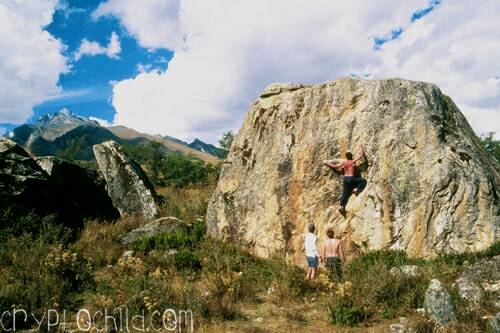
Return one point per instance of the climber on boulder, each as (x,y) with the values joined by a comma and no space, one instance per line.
(351,183)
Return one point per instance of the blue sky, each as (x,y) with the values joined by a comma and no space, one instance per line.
(90,77)
(87,86)
(144,65)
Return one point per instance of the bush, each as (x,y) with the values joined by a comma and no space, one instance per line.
(179,239)
(344,311)
(38,275)
(172,168)
(380,293)
(383,258)
(187,259)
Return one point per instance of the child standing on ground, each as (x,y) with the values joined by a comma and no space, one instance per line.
(333,254)
(311,252)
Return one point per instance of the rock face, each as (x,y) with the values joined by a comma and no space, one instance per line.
(432,188)
(160,226)
(128,186)
(22,181)
(438,304)
(82,191)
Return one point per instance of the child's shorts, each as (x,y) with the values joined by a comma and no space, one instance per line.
(312,262)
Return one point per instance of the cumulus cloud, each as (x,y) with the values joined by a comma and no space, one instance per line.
(30,58)
(231,50)
(456,47)
(154,22)
(101,122)
(226,52)
(93,48)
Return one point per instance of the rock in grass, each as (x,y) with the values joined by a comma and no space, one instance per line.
(402,327)
(128,186)
(406,270)
(480,278)
(438,304)
(493,324)
(160,226)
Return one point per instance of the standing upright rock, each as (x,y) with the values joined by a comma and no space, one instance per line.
(438,304)
(128,186)
(432,187)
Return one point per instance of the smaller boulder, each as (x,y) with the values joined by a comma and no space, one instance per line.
(483,277)
(160,226)
(127,254)
(494,324)
(402,327)
(468,289)
(407,270)
(128,186)
(438,304)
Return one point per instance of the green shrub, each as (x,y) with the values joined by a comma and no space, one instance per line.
(492,251)
(180,238)
(166,168)
(387,258)
(39,275)
(344,311)
(397,294)
(187,259)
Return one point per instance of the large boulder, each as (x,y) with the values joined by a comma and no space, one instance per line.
(432,188)
(127,184)
(81,191)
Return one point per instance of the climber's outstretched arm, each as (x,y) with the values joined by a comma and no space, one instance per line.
(332,165)
(361,154)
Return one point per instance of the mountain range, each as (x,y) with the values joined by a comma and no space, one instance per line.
(66,134)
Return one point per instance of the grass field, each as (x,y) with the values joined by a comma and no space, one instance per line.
(226,288)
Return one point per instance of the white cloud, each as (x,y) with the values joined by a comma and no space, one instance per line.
(30,58)
(456,47)
(226,52)
(2,131)
(231,50)
(101,122)
(143,68)
(67,94)
(93,48)
(154,22)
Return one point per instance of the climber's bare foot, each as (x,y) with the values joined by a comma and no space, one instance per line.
(342,211)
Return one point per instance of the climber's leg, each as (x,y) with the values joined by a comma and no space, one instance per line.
(346,193)
(360,184)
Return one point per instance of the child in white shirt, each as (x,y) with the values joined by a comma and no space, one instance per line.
(311,252)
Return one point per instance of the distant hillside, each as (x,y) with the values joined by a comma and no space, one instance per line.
(169,143)
(70,136)
(208,148)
